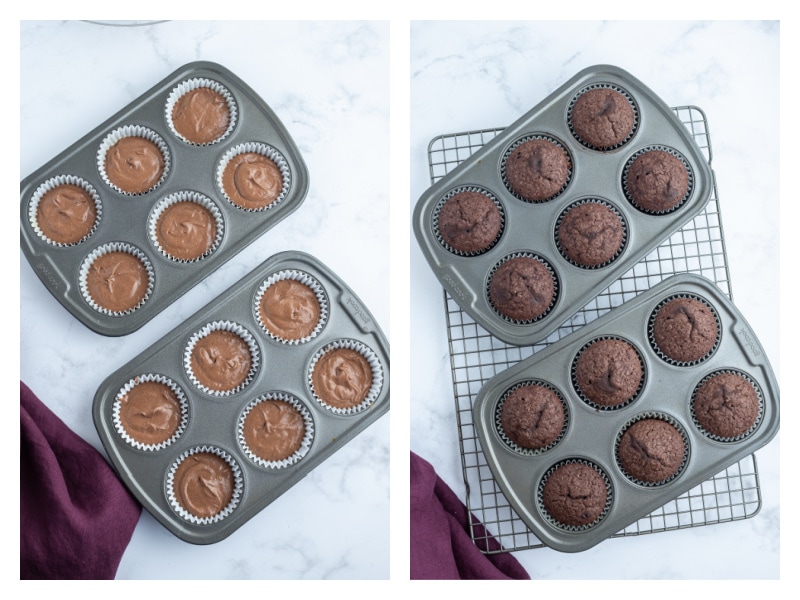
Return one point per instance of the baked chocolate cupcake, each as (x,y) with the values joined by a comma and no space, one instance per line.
(150,412)
(651,451)
(133,159)
(204,485)
(253,176)
(575,495)
(684,330)
(275,430)
(116,278)
(532,416)
(590,234)
(291,306)
(537,170)
(522,288)
(469,221)
(602,118)
(221,358)
(65,210)
(201,111)
(345,377)
(608,373)
(186,226)
(727,406)
(657,181)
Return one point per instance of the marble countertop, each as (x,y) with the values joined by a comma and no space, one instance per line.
(329,84)
(469,76)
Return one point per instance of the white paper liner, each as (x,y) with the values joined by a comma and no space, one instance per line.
(613,209)
(523,450)
(192,84)
(301,277)
(577,528)
(305,444)
(651,336)
(550,270)
(264,150)
(237,487)
(469,188)
(233,328)
(609,86)
(661,417)
(51,184)
(668,150)
(105,249)
(374,363)
(132,131)
(122,432)
(185,196)
(753,427)
(528,138)
(596,405)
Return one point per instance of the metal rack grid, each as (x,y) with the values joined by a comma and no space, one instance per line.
(476,356)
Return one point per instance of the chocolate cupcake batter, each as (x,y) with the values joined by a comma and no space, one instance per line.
(273,430)
(186,230)
(289,309)
(150,413)
(252,180)
(134,164)
(201,115)
(203,484)
(66,214)
(221,361)
(342,378)
(117,281)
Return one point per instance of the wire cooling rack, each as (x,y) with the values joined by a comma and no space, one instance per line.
(476,356)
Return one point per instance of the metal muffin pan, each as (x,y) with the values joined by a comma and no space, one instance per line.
(213,420)
(124,217)
(529,228)
(590,433)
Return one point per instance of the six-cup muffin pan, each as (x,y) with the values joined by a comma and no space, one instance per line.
(529,228)
(591,432)
(126,220)
(211,420)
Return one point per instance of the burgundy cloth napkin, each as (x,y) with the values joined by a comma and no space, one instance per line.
(441,546)
(76,516)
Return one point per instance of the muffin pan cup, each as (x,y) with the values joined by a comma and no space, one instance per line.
(591,434)
(213,420)
(530,227)
(192,168)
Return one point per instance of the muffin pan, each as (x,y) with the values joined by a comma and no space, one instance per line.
(192,172)
(211,420)
(530,228)
(591,432)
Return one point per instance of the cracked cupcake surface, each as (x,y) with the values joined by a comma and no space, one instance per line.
(651,450)
(685,329)
(590,234)
(522,288)
(726,405)
(537,170)
(657,181)
(575,494)
(602,118)
(469,222)
(609,372)
(532,416)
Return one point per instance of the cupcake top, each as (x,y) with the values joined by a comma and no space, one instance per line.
(469,222)
(522,288)
(537,169)
(203,484)
(726,405)
(252,181)
(221,360)
(342,378)
(134,164)
(685,329)
(66,213)
(590,234)
(575,494)
(117,281)
(289,309)
(657,181)
(186,230)
(608,372)
(150,413)
(651,450)
(273,430)
(532,416)
(602,118)
(201,115)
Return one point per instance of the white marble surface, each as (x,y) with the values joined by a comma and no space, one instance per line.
(478,75)
(329,84)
